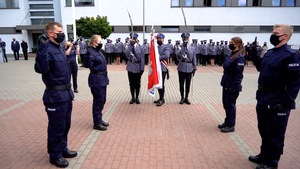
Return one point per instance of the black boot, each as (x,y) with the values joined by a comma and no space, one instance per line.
(137,92)
(132,96)
(182,99)
(186,100)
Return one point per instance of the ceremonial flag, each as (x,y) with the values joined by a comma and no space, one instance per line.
(154,73)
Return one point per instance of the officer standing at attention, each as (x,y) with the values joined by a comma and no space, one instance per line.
(135,67)
(146,51)
(118,47)
(51,62)
(187,66)
(82,50)
(98,81)
(171,50)
(231,82)
(278,87)
(205,52)
(109,51)
(71,51)
(164,54)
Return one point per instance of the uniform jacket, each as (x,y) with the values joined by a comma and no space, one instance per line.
(164,54)
(52,63)
(213,50)
(146,48)
(171,48)
(136,60)
(15,45)
(233,73)
(188,64)
(98,64)
(82,47)
(118,47)
(205,49)
(109,48)
(72,55)
(280,69)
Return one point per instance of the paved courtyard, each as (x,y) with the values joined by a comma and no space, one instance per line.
(140,136)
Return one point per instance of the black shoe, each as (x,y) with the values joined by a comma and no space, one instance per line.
(75,91)
(221,125)
(132,101)
(227,129)
(262,166)
(187,101)
(69,154)
(256,159)
(160,102)
(100,127)
(61,163)
(105,124)
(181,101)
(156,101)
(137,100)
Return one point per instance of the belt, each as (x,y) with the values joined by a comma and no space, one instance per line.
(98,72)
(270,88)
(59,87)
(132,61)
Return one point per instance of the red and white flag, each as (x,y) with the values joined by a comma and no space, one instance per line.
(154,73)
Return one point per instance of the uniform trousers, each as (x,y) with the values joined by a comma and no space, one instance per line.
(162,90)
(82,57)
(229,104)
(74,73)
(59,123)
(184,78)
(99,99)
(16,54)
(134,83)
(272,125)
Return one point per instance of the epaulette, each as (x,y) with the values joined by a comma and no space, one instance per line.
(291,51)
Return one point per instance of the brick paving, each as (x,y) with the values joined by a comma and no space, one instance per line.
(140,136)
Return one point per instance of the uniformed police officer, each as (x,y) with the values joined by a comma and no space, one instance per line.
(164,54)
(176,45)
(118,47)
(82,50)
(135,67)
(170,45)
(146,48)
(187,66)
(205,53)
(71,51)
(51,62)
(98,81)
(231,82)
(278,87)
(109,51)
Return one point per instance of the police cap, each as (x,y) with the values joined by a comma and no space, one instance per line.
(160,35)
(135,35)
(185,35)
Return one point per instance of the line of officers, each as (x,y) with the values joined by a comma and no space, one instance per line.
(207,52)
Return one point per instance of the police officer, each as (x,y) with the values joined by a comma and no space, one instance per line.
(71,51)
(51,62)
(187,66)
(98,81)
(231,82)
(176,45)
(82,50)
(146,48)
(226,49)
(212,53)
(109,51)
(205,53)
(2,46)
(170,45)
(135,67)
(164,54)
(278,87)
(195,45)
(118,46)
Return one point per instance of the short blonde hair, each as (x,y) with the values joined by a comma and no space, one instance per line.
(94,39)
(286,29)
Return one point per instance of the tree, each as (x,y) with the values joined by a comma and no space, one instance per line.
(89,26)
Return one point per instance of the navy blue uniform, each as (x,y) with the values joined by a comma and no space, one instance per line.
(98,81)
(52,63)
(231,83)
(73,66)
(279,82)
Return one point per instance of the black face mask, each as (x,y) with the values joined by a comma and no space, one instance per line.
(99,46)
(159,42)
(231,47)
(275,39)
(60,37)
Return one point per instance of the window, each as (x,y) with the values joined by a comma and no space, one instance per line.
(242,3)
(9,4)
(275,2)
(296,29)
(80,3)
(174,2)
(290,3)
(206,2)
(40,6)
(169,29)
(256,3)
(220,2)
(136,28)
(266,29)
(42,13)
(189,2)
(41,21)
(202,28)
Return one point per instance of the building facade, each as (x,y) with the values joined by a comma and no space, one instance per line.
(206,19)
